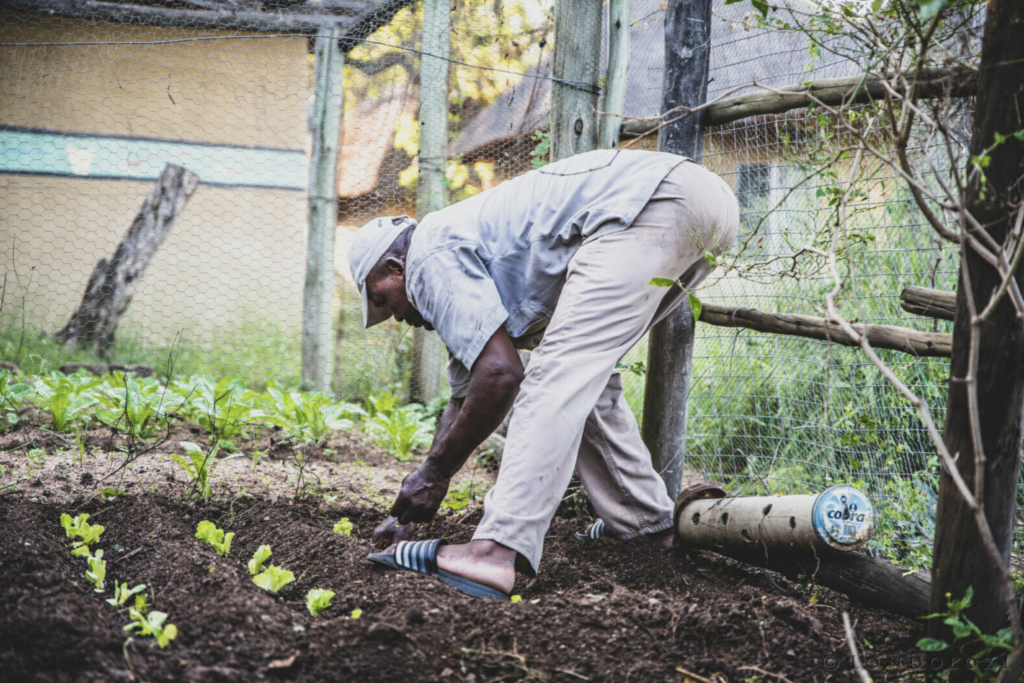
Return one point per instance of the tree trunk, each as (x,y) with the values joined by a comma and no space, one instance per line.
(670,347)
(318,295)
(112,283)
(960,559)
(428,353)
(577,65)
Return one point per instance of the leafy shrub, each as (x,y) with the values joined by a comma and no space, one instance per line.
(66,398)
(208,531)
(976,647)
(318,600)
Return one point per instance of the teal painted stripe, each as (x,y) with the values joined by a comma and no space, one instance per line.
(93,156)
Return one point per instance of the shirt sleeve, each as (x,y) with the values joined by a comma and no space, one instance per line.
(458,377)
(454,292)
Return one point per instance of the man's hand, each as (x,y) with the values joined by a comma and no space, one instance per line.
(423,489)
(390,532)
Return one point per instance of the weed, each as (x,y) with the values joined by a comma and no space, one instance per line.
(97,571)
(122,593)
(261,555)
(464,493)
(273,578)
(975,646)
(343,527)
(11,396)
(221,408)
(80,528)
(152,624)
(208,531)
(318,600)
(37,456)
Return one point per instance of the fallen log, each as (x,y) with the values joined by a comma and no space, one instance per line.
(914,342)
(112,283)
(832,91)
(931,303)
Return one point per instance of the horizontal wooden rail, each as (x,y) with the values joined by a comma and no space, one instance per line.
(931,303)
(914,342)
(832,91)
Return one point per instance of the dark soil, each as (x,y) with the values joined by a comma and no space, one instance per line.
(603,611)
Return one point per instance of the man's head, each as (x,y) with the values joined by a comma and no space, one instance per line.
(378,259)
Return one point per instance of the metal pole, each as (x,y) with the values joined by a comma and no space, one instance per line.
(318,295)
(670,347)
(428,350)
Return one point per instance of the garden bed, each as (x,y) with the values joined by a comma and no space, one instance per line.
(602,611)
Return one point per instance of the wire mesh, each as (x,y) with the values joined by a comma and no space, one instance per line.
(94,106)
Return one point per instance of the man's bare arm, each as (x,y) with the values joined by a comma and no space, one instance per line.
(493,386)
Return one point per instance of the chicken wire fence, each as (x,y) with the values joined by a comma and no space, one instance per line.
(95,107)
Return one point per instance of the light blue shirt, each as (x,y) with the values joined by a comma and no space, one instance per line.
(500,258)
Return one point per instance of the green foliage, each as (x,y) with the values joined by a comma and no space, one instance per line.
(80,528)
(97,571)
(223,409)
(261,555)
(308,416)
(399,429)
(969,642)
(464,493)
(122,593)
(318,600)
(152,624)
(343,527)
(133,406)
(208,531)
(542,150)
(67,399)
(11,395)
(273,578)
(200,467)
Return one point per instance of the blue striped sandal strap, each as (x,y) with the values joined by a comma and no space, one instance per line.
(597,530)
(418,556)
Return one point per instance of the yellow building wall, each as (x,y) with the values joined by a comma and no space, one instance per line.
(234,260)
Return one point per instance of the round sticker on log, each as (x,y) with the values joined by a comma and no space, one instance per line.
(842,517)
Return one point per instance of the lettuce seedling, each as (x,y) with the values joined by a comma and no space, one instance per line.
(261,555)
(122,593)
(318,600)
(79,527)
(273,578)
(152,624)
(208,531)
(97,570)
(343,527)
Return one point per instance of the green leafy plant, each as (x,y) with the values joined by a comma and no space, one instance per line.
(67,399)
(343,527)
(80,528)
(464,493)
(309,416)
(97,571)
(200,467)
(399,429)
(133,406)
(318,600)
(223,409)
(541,151)
(208,531)
(11,395)
(152,624)
(969,640)
(122,593)
(273,578)
(261,555)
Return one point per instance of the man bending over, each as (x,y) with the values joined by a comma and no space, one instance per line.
(558,260)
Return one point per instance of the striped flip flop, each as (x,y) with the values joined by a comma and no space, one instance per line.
(421,557)
(597,530)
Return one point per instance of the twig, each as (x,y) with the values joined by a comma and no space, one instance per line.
(761,671)
(858,667)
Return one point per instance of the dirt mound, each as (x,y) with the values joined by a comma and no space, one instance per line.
(602,611)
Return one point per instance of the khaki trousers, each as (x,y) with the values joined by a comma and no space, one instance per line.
(570,412)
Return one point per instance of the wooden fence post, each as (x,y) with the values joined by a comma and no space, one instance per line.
(318,295)
(670,346)
(616,74)
(428,350)
(577,65)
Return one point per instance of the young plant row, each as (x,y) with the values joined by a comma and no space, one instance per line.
(273,578)
(143,621)
(226,409)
